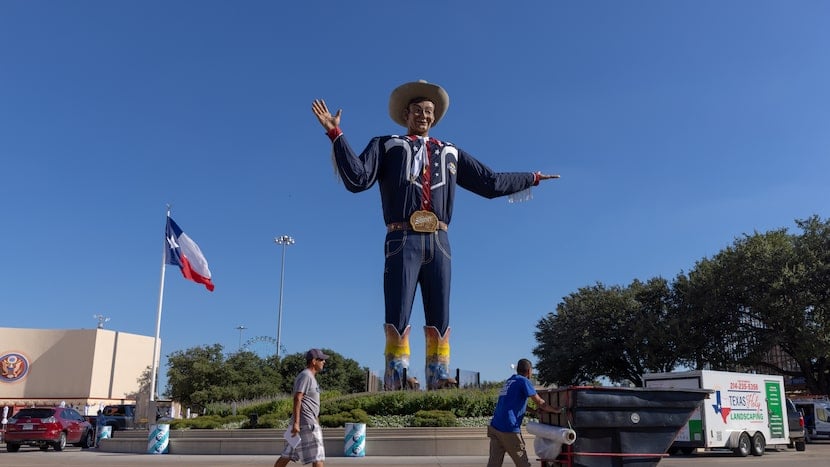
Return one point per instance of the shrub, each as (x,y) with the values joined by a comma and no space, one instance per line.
(394,408)
(243,407)
(271,420)
(463,403)
(435,418)
(340,419)
(280,406)
(204,422)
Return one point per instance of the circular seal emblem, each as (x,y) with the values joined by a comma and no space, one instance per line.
(13,367)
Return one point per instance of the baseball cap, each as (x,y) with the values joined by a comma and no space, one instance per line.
(315,353)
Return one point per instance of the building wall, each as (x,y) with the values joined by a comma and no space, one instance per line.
(80,367)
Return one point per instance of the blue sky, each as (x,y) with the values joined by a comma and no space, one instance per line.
(676,127)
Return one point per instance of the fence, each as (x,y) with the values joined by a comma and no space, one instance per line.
(467,378)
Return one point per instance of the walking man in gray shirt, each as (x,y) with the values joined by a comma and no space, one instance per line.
(303,422)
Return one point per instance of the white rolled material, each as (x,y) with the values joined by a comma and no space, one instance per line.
(559,434)
(549,439)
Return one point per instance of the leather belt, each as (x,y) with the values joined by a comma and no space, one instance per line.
(396,226)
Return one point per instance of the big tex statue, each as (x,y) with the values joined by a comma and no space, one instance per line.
(417,175)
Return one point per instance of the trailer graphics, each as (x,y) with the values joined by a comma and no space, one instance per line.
(747,402)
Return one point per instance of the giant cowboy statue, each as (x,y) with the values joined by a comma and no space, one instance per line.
(417,175)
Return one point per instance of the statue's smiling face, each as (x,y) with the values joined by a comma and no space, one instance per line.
(419,117)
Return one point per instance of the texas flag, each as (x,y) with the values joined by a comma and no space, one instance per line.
(185,253)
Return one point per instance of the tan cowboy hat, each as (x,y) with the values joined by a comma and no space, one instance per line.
(406,92)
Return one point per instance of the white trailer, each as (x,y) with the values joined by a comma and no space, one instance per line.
(745,412)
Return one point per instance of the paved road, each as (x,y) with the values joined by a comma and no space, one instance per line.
(816,455)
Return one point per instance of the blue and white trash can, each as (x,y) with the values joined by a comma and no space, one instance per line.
(159,439)
(355,440)
(103,432)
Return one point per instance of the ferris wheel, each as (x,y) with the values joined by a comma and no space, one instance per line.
(262,346)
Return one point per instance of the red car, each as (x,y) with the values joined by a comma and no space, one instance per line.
(48,426)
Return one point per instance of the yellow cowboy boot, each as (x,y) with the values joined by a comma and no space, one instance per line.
(438,359)
(397,357)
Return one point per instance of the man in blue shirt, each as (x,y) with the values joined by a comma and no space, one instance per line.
(505,430)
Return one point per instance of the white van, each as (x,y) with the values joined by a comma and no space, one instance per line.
(816,412)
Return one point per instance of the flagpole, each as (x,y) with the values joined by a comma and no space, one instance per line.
(156,343)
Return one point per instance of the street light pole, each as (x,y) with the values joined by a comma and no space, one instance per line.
(240,328)
(283,240)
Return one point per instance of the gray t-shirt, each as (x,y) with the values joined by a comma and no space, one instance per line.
(306,383)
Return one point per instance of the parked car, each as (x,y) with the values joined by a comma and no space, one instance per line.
(93,420)
(48,426)
(797,430)
(118,416)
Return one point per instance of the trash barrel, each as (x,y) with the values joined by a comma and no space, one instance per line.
(253,419)
(615,427)
(103,432)
(159,439)
(354,443)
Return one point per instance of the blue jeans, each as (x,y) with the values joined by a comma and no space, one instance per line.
(413,259)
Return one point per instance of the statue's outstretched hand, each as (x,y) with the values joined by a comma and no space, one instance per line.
(325,117)
(544,176)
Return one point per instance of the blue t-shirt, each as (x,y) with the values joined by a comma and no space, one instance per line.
(512,404)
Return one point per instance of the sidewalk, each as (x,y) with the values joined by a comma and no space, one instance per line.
(815,456)
(90,458)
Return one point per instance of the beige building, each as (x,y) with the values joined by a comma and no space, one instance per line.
(84,368)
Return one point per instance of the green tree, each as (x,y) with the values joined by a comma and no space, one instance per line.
(786,290)
(812,350)
(250,377)
(707,298)
(566,339)
(201,375)
(289,367)
(192,373)
(616,332)
(764,293)
(339,374)
(658,328)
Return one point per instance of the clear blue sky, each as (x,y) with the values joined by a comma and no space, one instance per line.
(676,126)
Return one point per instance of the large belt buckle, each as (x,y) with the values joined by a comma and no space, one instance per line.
(424,221)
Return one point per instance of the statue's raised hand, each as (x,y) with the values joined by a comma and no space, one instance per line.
(325,117)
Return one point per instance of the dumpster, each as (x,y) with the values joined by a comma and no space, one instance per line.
(619,427)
